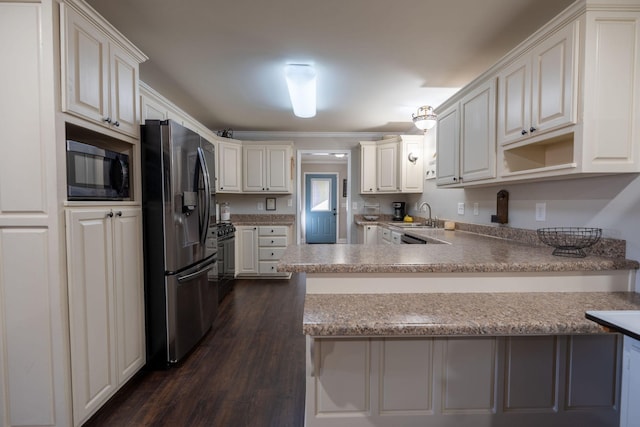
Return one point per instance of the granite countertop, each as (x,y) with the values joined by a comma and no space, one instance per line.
(463,252)
(459,314)
(262,219)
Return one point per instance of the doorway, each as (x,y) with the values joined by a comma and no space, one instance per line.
(325,162)
(320,207)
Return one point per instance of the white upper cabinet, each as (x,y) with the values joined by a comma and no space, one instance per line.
(448,146)
(537,91)
(228,173)
(385,166)
(266,168)
(99,70)
(567,104)
(478,133)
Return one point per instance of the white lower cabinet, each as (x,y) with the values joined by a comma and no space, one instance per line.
(106,303)
(629,409)
(529,381)
(260,249)
(368,234)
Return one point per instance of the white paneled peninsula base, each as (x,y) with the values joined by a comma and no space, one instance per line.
(495,336)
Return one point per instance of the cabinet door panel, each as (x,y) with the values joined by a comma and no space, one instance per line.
(91,310)
(515,105)
(277,169)
(253,169)
(368,166)
(124,83)
(448,140)
(247,260)
(87,71)
(552,82)
(229,166)
(128,283)
(478,139)
(387,167)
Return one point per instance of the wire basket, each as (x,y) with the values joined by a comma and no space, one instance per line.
(569,241)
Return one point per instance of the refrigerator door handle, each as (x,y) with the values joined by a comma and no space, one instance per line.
(191,276)
(207,198)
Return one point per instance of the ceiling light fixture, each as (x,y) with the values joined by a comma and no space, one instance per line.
(426,118)
(301,81)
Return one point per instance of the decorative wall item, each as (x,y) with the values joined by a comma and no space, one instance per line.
(271,204)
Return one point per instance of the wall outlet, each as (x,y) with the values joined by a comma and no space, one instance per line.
(461,208)
(541,211)
(260,206)
(476,210)
(354,206)
(289,202)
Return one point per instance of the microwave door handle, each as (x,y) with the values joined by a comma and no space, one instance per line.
(207,199)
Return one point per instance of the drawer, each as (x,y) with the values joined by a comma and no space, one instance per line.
(276,230)
(267,267)
(272,241)
(270,253)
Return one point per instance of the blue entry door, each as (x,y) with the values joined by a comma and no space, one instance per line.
(321,199)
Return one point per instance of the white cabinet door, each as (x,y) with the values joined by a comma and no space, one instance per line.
(229,176)
(253,164)
(129,291)
(387,167)
(87,68)
(514,106)
(152,110)
(370,234)
(478,133)
(278,169)
(106,303)
(247,242)
(368,166)
(448,142)
(553,80)
(412,171)
(100,78)
(124,91)
(537,91)
(91,310)
(629,409)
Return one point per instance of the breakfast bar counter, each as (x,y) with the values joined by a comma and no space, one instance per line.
(474,330)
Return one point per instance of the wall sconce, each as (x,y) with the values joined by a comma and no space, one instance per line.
(426,118)
(413,158)
(301,82)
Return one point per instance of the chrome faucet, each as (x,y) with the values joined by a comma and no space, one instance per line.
(429,221)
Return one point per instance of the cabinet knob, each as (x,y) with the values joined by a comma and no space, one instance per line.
(272,242)
(119,213)
(455,179)
(532,129)
(117,123)
(267,188)
(107,119)
(524,131)
(110,214)
(272,254)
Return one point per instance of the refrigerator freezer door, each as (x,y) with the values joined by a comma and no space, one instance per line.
(192,301)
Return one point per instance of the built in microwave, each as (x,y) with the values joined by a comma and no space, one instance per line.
(94,173)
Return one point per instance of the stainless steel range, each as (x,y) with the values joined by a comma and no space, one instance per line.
(226,258)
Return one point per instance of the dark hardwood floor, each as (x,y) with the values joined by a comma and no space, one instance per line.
(247,371)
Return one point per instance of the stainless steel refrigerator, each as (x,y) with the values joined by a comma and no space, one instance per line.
(180,239)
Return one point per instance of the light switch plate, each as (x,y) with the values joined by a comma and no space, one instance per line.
(461,208)
(354,206)
(260,206)
(289,202)
(476,210)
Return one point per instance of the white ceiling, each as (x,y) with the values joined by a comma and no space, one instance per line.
(377,60)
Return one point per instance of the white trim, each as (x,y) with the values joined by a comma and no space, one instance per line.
(251,135)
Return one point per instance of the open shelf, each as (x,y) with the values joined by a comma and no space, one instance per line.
(548,155)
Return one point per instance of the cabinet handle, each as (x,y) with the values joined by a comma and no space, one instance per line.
(455,179)
(272,254)
(117,123)
(524,131)
(119,213)
(272,242)
(110,214)
(532,129)
(107,119)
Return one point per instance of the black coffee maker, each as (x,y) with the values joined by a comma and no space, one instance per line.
(399,210)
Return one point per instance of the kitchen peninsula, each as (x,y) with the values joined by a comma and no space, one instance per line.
(475,331)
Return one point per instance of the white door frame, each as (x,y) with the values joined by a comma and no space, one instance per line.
(300,199)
